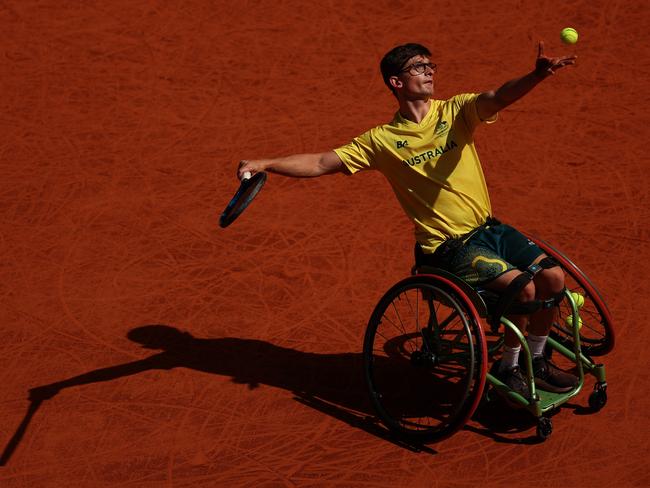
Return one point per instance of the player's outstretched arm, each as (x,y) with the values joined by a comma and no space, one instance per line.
(297,165)
(491,102)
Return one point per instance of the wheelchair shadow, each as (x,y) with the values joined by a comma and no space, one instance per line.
(330,383)
(499,421)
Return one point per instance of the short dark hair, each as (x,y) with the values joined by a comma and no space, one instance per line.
(395,59)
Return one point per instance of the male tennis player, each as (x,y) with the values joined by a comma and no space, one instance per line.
(427,154)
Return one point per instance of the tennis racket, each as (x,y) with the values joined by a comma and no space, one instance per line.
(248,189)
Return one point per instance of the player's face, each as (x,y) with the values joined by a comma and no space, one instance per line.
(417,77)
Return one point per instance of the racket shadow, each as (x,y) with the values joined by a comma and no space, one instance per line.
(330,383)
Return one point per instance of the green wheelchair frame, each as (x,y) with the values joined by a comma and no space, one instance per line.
(541,401)
(426,352)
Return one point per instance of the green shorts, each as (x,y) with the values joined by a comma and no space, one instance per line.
(487,254)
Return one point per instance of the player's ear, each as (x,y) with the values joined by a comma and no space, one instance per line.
(395,82)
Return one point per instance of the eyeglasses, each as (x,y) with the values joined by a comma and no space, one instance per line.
(419,68)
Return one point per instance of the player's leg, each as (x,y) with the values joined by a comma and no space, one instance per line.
(507,368)
(549,283)
(482,266)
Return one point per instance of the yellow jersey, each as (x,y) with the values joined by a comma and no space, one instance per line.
(433,167)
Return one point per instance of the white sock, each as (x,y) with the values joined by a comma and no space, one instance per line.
(536,344)
(509,358)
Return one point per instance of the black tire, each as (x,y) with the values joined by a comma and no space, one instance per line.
(597,333)
(598,398)
(425,358)
(544,428)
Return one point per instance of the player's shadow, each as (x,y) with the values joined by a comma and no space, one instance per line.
(330,383)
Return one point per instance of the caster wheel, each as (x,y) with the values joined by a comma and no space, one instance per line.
(598,398)
(544,428)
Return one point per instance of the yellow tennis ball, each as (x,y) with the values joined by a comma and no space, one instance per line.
(578,298)
(569,321)
(569,35)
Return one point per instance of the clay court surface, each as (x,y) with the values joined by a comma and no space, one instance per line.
(122,124)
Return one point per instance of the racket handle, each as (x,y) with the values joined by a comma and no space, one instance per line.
(247,176)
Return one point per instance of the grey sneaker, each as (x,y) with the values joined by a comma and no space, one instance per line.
(513,378)
(551,378)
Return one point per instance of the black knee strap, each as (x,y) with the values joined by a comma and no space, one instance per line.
(525,308)
(548,262)
(535,305)
(553,301)
(508,303)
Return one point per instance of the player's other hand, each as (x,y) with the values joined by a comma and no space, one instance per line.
(249,166)
(545,66)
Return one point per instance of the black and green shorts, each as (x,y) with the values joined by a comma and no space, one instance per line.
(490,251)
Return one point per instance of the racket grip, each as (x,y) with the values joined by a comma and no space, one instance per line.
(247,176)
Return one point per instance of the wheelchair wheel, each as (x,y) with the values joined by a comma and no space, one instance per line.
(596,334)
(425,358)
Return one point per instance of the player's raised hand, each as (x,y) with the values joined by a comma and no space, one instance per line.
(546,66)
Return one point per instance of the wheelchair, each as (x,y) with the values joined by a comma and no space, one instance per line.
(431,336)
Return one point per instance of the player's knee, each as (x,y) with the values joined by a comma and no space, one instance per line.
(527,293)
(550,282)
